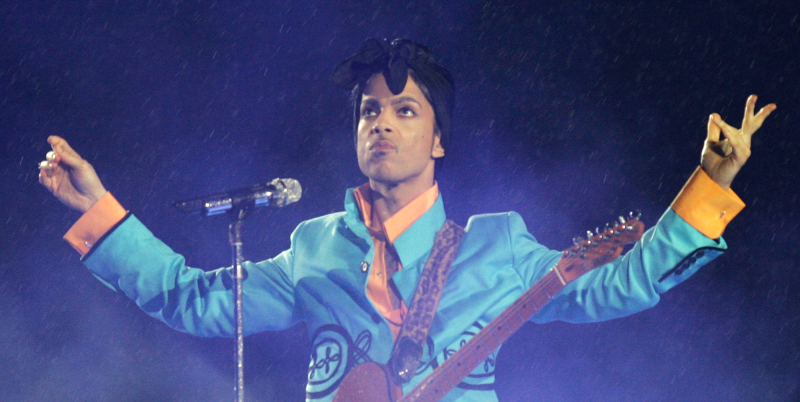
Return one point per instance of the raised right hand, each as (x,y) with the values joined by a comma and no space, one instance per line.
(723,159)
(69,177)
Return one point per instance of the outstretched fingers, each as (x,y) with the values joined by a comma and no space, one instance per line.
(762,114)
(749,107)
(752,121)
(713,129)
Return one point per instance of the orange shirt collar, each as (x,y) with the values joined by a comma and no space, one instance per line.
(402,219)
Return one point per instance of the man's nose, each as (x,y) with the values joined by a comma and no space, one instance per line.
(380,128)
(382,124)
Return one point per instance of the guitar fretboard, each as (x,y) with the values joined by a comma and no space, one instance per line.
(574,262)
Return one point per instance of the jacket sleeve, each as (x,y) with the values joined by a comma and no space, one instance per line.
(666,255)
(131,260)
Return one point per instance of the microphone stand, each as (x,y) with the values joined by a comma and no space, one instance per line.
(237,215)
(238,203)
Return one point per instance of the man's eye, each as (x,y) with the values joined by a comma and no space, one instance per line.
(368,112)
(406,111)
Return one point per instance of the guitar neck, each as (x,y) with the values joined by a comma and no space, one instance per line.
(574,262)
(460,364)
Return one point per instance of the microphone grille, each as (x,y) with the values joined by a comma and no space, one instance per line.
(287,191)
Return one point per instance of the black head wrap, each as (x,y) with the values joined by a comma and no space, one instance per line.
(395,60)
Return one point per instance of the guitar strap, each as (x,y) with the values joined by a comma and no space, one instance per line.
(414,332)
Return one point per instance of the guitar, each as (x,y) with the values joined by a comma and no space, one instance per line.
(372,382)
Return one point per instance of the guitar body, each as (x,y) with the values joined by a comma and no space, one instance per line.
(368,382)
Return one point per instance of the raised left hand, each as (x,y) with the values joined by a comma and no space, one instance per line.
(722,160)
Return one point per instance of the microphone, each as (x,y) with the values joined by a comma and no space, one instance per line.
(278,192)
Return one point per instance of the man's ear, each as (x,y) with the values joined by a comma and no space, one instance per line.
(437,151)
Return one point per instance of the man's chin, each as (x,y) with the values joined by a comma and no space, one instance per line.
(392,174)
(385,180)
(381,173)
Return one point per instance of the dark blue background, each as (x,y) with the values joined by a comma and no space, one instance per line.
(569,114)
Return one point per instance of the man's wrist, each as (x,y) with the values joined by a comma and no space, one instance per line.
(92,199)
(722,182)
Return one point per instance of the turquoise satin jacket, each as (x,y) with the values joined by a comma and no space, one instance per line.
(321,279)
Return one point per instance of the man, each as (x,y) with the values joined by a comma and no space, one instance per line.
(351,275)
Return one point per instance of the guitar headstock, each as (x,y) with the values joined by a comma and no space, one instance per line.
(599,249)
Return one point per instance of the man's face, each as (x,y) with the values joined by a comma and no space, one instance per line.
(397,141)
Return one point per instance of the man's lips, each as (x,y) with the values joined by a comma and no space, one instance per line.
(382,145)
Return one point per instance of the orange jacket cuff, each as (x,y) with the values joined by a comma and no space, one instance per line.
(95,222)
(703,204)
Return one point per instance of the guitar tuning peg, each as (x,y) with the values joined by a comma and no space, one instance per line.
(621,220)
(608,226)
(597,230)
(589,234)
(635,214)
(578,240)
